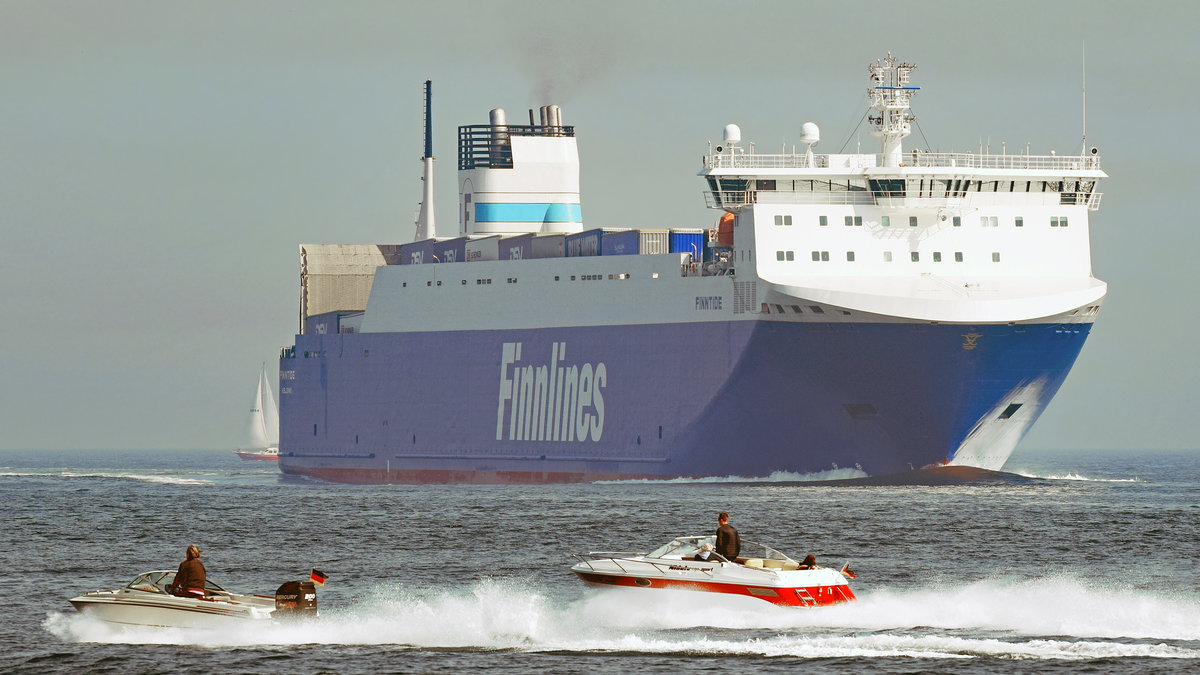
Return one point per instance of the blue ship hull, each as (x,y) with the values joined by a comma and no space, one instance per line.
(722,398)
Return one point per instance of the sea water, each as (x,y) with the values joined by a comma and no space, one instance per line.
(1072,561)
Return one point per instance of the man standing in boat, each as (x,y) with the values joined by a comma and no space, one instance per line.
(189,580)
(729,544)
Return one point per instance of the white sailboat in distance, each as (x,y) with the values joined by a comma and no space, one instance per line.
(264,424)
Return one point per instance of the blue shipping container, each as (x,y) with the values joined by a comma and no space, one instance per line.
(620,243)
(519,247)
(584,243)
(683,241)
(450,250)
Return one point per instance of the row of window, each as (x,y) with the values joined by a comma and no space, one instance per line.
(891,187)
(823,256)
(886,221)
(513,280)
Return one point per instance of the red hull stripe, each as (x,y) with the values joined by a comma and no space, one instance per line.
(791,597)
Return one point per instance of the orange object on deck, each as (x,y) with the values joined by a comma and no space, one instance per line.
(725,231)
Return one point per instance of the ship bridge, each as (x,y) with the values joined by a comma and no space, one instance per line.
(913,235)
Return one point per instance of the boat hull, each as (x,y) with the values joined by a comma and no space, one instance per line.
(787,596)
(171,612)
(720,398)
(258,455)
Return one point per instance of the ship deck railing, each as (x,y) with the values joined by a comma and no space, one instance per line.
(487,146)
(730,199)
(940,160)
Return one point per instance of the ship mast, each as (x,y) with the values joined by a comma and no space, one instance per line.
(891,118)
(426,227)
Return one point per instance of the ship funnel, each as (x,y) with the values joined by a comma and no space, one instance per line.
(426,225)
(517,179)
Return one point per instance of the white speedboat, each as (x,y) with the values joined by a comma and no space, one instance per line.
(761,572)
(146,601)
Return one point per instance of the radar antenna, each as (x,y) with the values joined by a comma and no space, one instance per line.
(890,114)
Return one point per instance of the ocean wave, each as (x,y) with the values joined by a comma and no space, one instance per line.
(171,479)
(1072,476)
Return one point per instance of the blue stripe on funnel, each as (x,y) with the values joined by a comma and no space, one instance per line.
(528,213)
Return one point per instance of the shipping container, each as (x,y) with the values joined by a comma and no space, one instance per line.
(620,243)
(519,247)
(635,242)
(653,242)
(549,246)
(688,241)
(450,250)
(417,253)
(484,248)
(584,243)
(433,251)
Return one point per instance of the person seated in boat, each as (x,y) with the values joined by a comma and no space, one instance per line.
(189,580)
(808,563)
(706,554)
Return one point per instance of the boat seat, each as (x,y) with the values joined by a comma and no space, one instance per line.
(754,562)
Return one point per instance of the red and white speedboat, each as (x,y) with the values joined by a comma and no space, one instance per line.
(760,572)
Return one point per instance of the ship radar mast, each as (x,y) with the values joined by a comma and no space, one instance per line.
(426,227)
(891,118)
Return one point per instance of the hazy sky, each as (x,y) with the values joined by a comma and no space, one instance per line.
(160,162)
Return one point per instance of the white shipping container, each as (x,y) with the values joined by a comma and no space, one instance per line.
(485,248)
(549,246)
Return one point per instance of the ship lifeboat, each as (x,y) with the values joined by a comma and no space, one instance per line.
(725,231)
(763,573)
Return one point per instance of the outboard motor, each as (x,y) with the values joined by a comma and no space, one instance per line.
(295,599)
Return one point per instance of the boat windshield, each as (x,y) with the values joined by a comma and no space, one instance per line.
(753,549)
(681,547)
(160,582)
(154,582)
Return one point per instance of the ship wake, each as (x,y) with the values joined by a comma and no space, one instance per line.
(1047,618)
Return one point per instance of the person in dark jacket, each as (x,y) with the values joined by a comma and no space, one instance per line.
(728,542)
(189,580)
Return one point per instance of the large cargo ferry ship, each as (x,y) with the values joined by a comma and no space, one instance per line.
(882,312)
